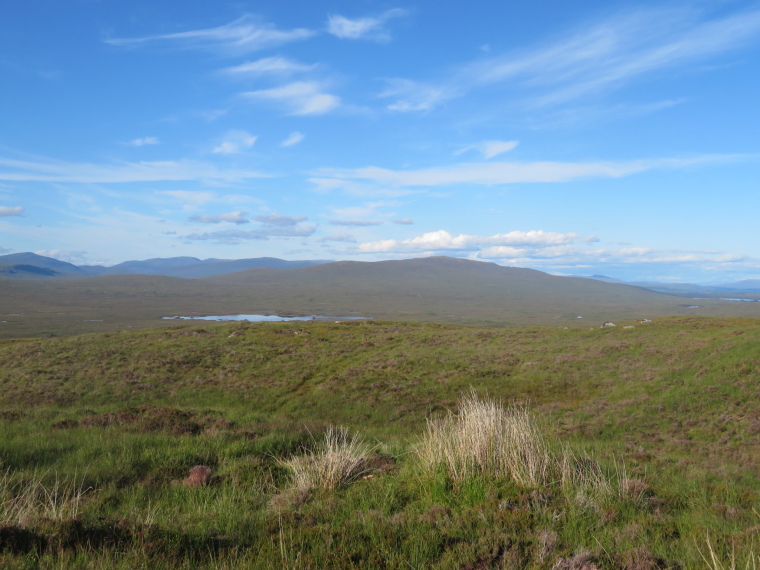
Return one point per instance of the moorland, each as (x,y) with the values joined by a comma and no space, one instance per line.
(379,443)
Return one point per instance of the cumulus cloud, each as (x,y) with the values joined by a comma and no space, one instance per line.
(244,35)
(235,142)
(442,240)
(236,217)
(144,141)
(7,211)
(356,223)
(267,66)
(75,257)
(299,97)
(368,28)
(293,139)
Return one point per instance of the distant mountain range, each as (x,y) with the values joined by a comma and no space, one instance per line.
(439,289)
(746,289)
(33,266)
(38,267)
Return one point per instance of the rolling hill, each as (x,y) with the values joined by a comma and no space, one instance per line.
(435,289)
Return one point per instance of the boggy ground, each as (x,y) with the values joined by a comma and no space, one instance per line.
(100,433)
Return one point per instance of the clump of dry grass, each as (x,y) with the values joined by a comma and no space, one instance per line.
(488,438)
(485,437)
(335,461)
(23,501)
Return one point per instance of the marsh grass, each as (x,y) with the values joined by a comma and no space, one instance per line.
(25,500)
(487,438)
(335,461)
(621,460)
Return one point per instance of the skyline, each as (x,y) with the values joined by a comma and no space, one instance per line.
(575,140)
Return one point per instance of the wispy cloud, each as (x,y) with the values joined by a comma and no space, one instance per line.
(280,221)
(367,28)
(496,173)
(60,171)
(598,58)
(267,66)
(144,141)
(489,149)
(266,231)
(345,238)
(235,142)
(293,139)
(299,97)
(236,217)
(244,35)
(404,222)
(356,223)
(7,211)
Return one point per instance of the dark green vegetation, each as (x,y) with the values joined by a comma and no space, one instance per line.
(100,433)
(437,289)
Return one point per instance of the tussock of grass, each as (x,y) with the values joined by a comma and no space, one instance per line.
(336,461)
(487,438)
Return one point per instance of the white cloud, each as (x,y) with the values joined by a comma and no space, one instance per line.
(368,28)
(404,221)
(144,141)
(268,66)
(489,149)
(75,257)
(442,240)
(300,97)
(236,217)
(244,35)
(178,170)
(293,139)
(7,211)
(495,173)
(235,142)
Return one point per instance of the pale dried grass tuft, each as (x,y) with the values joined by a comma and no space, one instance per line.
(485,437)
(23,501)
(336,461)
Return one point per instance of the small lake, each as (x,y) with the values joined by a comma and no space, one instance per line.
(264,318)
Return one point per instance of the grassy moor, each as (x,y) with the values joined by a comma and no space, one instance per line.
(383,444)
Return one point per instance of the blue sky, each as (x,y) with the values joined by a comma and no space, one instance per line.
(572,137)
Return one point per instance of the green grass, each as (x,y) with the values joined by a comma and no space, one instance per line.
(650,436)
